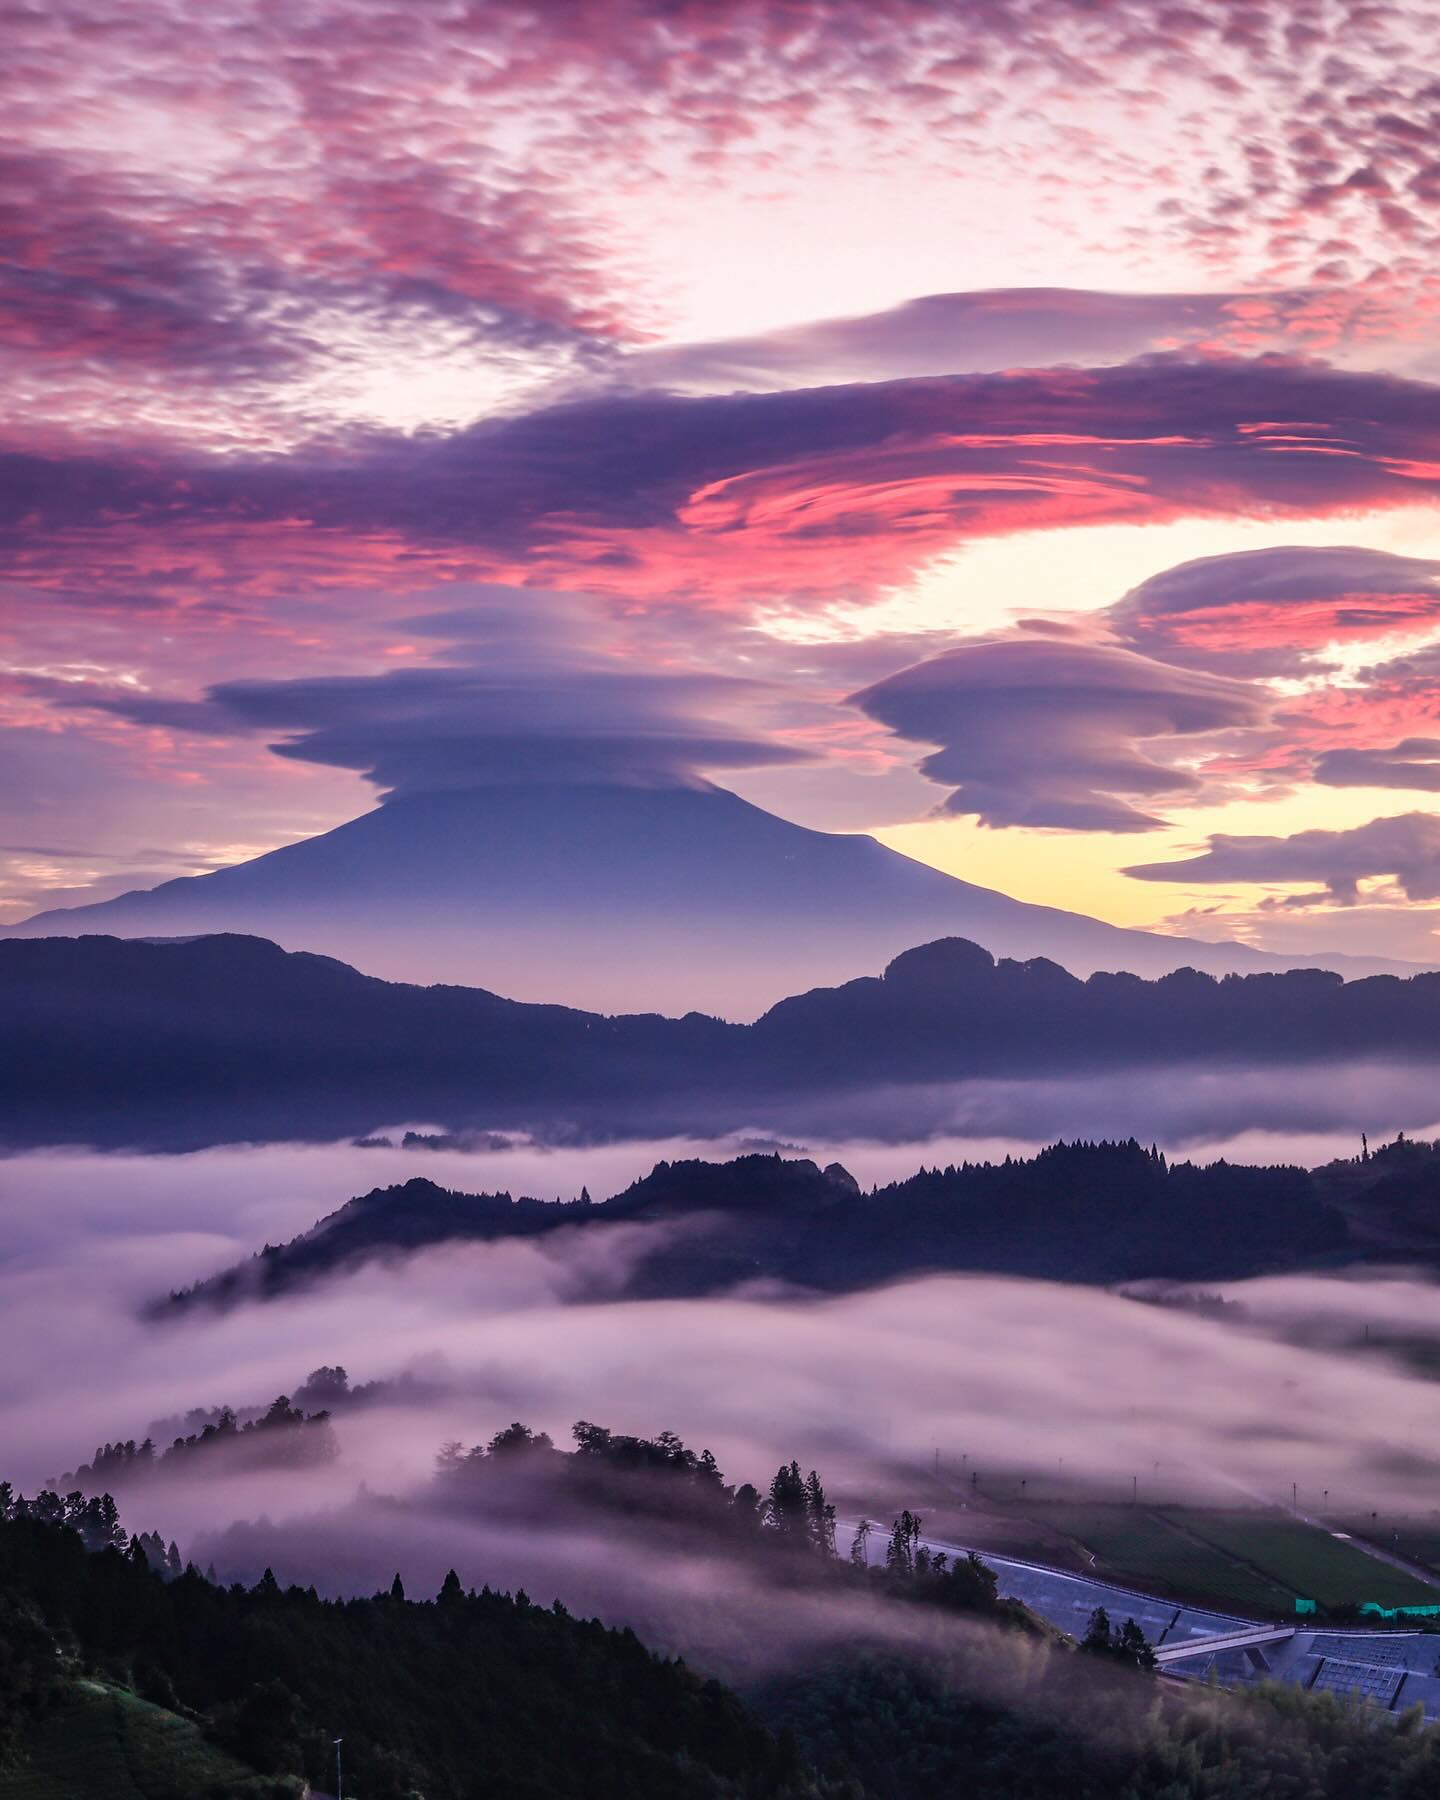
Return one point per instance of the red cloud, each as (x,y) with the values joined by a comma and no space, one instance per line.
(1273,612)
(734,499)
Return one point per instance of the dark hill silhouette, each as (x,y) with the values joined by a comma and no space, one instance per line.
(617,897)
(1103,1212)
(178,1044)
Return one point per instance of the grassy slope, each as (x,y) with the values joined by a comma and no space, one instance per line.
(106,1744)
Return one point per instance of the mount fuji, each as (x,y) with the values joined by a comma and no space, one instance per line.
(623,898)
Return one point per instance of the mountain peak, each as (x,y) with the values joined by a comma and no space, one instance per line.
(624,899)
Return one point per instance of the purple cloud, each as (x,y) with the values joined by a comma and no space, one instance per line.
(1406,847)
(1046,732)
(1270,612)
(743,497)
(430,729)
(1413,763)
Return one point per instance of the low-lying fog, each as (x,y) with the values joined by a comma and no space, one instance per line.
(1063,1386)
(1265,1111)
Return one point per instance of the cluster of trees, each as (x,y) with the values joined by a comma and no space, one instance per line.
(1125,1643)
(657,1474)
(282,1436)
(911,1570)
(793,1518)
(95,1520)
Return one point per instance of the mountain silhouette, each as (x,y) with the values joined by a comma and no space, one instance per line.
(1096,1212)
(622,899)
(227,1038)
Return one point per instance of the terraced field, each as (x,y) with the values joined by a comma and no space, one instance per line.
(108,1745)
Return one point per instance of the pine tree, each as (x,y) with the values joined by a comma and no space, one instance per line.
(900,1551)
(820,1516)
(397,1587)
(1097,1633)
(1132,1646)
(787,1507)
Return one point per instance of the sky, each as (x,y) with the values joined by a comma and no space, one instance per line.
(1011,429)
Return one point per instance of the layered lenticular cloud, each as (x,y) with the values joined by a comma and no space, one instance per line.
(808,496)
(1048,733)
(1275,612)
(1006,328)
(759,328)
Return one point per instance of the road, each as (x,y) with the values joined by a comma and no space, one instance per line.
(1393,1669)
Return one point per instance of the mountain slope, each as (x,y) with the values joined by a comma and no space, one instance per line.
(620,899)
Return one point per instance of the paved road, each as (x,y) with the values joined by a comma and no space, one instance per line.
(1067,1600)
(1394,1669)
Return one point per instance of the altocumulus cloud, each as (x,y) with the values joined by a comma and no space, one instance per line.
(1047,732)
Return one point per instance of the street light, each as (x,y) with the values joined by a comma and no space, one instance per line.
(339,1781)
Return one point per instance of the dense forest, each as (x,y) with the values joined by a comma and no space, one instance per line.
(480,1693)
(214,1039)
(1104,1212)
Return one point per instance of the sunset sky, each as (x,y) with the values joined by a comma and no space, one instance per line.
(1011,428)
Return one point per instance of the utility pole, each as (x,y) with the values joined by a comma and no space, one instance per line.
(1134,1490)
(339,1779)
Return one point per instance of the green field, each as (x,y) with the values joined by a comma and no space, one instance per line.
(1132,1544)
(1253,1562)
(1416,1539)
(1306,1560)
(105,1744)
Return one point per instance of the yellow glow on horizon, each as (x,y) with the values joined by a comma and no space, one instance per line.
(1083,568)
(1081,871)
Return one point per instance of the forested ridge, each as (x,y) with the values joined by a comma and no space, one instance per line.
(179,1044)
(1092,1212)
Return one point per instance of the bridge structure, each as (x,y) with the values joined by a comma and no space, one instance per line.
(1216,1642)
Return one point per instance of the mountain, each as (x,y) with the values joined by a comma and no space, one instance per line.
(1075,1212)
(217,1039)
(621,899)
